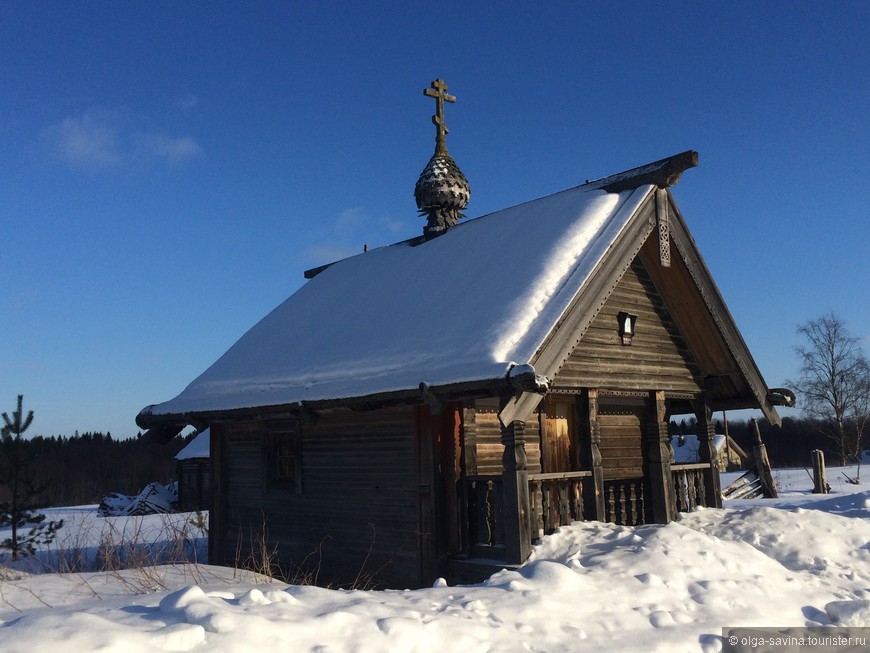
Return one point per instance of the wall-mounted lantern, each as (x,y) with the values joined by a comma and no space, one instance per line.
(626,326)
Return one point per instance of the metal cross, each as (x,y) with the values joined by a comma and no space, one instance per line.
(439,92)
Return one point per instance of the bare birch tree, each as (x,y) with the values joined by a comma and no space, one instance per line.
(834,384)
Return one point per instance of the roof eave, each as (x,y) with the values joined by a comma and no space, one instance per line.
(167,425)
(663,173)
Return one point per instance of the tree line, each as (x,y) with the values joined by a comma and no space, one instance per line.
(788,445)
(83,468)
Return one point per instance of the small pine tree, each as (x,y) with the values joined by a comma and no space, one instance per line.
(15,473)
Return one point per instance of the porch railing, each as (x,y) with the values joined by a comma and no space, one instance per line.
(555,499)
(486,516)
(689,485)
(625,501)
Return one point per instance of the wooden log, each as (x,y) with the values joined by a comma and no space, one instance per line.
(762,465)
(820,480)
(662,173)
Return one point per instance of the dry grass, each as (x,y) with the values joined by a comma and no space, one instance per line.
(138,557)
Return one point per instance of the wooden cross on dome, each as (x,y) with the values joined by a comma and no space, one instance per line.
(439,92)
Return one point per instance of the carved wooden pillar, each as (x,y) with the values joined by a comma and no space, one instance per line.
(515,478)
(707,451)
(590,454)
(659,458)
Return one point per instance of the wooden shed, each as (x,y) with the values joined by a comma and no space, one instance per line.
(193,473)
(432,407)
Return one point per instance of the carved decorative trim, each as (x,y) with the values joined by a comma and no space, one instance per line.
(664,227)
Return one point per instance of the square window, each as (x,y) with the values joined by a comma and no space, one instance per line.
(283,456)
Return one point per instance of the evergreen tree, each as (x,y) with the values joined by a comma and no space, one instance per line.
(16,474)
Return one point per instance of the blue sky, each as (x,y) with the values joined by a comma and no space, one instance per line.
(168,170)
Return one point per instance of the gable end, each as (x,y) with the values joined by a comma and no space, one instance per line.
(657,358)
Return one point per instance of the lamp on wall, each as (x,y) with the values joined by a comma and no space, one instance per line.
(626,326)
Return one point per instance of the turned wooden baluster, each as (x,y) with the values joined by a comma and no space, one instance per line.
(623,512)
(633,502)
(691,492)
(564,504)
(611,501)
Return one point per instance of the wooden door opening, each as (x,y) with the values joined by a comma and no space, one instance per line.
(559,441)
(626,489)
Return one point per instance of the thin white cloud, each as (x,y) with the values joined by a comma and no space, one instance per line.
(357,220)
(90,140)
(350,232)
(188,102)
(172,150)
(350,219)
(101,139)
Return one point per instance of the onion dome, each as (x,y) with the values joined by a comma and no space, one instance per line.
(442,191)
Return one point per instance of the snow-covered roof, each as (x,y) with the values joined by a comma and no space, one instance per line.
(199,447)
(688,452)
(464,306)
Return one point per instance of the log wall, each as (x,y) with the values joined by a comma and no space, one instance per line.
(194,483)
(621,447)
(356,517)
(483,428)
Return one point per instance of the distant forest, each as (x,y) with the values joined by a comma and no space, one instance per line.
(81,469)
(787,446)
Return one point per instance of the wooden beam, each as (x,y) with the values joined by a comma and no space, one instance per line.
(515,483)
(590,432)
(707,452)
(662,173)
(659,456)
(518,408)
(217,534)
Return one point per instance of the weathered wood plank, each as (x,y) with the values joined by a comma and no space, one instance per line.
(359,507)
(658,356)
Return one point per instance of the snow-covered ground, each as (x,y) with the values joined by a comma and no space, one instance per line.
(799,560)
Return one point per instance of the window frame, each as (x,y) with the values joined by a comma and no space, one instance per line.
(282,456)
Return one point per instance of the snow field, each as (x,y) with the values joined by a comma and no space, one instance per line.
(801,560)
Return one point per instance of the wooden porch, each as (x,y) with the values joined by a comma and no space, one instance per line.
(613,464)
(559,499)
